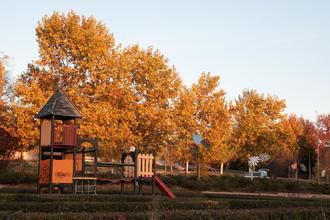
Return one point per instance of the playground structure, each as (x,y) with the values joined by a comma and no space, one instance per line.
(62,155)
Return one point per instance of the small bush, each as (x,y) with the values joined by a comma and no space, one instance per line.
(11,177)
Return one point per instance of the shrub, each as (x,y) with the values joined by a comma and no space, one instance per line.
(12,177)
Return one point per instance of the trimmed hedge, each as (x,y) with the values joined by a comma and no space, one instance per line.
(45,206)
(12,177)
(259,214)
(241,184)
(8,197)
(51,207)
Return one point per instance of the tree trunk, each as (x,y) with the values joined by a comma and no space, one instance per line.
(21,163)
(187,168)
(198,171)
(221,169)
(171,167)
(227,166)
(165,166)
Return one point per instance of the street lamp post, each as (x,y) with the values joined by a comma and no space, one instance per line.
(318,162)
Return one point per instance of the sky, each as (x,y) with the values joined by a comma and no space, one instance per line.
(277,47)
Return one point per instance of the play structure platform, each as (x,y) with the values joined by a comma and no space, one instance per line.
(62,156)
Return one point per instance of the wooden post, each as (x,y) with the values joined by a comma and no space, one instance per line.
(140,188)
(121,187)
(38,185)
(74,160)
(154,174)
(39,156)
(135,170)
(50,185)
(83,161)
(96,147)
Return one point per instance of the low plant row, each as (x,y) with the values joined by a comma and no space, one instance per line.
(52,207)
(13,177)
(255,214)
(298,213)
(11,197)
(241,184)
(161,205)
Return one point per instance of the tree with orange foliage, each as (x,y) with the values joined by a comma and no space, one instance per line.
(202,109)
(124,94)
(292,132)
(323,126)
(8,137)
(257,124)
(308,143)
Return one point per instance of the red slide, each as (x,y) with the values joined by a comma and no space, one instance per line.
(163,188)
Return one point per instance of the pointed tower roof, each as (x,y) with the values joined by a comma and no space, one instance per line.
(60,106)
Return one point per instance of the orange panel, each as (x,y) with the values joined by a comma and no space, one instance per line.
(62,171)
(78,160)
(44,172)
(69,135)
(45,132)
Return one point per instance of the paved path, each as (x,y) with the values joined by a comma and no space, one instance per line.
(280,194)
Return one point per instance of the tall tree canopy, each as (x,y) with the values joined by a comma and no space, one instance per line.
(293,130)
(124,94)
(257,124)
(8,136)
(323,125)
(203,110)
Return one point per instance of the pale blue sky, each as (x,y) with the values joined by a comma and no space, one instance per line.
(280,47)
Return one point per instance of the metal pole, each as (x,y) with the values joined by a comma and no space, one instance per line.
(309,165)
(318,163)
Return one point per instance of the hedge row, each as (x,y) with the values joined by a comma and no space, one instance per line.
(259,214)
(12,177)
(241,184)
(75,207)
(255,214)
(83,206)
(10,197)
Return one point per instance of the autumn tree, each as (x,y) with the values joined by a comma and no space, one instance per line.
(291,133)
(185,124)
(203,110)
(124,94)
(213,118)
(154,86)
(8,137)
(323,126)
(308,143)
(257,124)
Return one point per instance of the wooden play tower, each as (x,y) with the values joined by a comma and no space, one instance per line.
(58,142)
(62,155)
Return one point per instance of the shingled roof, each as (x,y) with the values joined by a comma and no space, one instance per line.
(59,106)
